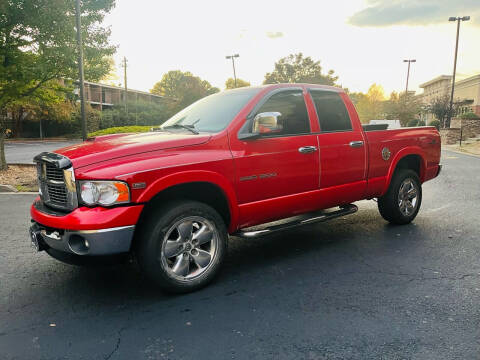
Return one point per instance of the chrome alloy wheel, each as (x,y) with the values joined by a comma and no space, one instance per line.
(189,247)
(408,197)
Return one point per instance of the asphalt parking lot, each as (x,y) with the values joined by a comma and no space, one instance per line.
(22,152)
(353,288)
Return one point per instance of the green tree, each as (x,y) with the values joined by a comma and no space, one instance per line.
(38,45)
(440,108)
(399,107)
(295,68)
(230,83)
(184,87)
(370,105)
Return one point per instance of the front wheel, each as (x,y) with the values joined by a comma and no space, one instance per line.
(182,246)
(401,203)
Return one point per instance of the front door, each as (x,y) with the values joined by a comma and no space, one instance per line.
(283,162)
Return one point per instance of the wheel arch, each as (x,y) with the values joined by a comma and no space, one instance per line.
(412,158)
(207,187)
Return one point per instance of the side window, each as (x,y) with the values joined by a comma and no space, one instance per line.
(331,111)
(291,105)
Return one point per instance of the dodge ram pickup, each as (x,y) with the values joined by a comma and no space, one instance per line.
(246,162)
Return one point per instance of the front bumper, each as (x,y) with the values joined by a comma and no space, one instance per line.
(85,242)
(86,231)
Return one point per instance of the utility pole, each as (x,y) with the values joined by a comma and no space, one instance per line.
(125,82)
(457,19)
(80,69)
(408,74)
(233,64)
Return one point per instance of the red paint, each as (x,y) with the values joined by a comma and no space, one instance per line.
(262,179)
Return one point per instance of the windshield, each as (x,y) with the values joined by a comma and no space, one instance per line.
(212,113)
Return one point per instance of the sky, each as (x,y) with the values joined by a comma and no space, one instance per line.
(363,41)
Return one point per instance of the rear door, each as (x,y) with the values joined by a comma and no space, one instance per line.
(343,151)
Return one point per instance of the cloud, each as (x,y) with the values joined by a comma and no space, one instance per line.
(414,12)
(274,34)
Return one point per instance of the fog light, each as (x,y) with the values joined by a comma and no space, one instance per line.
(78,244)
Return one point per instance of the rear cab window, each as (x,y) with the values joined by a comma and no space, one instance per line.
(331,111)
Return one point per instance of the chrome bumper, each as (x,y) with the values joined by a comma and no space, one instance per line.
(86,242)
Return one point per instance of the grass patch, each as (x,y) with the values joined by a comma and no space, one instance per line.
(28,188)
(121,130)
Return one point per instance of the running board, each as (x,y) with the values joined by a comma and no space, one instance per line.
(306,219)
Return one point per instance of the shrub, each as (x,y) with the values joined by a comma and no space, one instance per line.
(469,116)
(120,130)
(435,123)
(412,123)
(421,123)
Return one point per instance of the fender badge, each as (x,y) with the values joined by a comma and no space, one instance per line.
(140,185)
(386,153)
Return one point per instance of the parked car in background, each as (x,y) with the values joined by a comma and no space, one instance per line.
(392,124)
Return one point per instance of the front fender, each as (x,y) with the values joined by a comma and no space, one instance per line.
(410,150)
(190,176)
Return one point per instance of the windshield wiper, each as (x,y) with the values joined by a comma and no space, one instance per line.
(188,127)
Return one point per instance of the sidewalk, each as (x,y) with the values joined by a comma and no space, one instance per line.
(469,149)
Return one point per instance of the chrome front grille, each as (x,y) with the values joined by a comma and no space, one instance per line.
(53,173)
(56,181)
(57,194)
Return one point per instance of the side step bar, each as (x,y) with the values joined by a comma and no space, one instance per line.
(310,218)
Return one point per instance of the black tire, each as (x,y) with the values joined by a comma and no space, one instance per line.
(151,245)
(389,204)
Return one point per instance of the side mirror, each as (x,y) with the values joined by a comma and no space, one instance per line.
(267,123)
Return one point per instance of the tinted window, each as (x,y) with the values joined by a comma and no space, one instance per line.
(213,113)
(331,111)
(294,118)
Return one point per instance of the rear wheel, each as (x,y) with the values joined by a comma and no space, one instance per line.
(182,246)
(401,203)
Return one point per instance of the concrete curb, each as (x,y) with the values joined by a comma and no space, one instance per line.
(13,141)
(18,193)
(7,189)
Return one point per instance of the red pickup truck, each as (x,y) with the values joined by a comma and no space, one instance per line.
(232,163)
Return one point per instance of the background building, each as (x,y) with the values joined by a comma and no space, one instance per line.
(102,96)
(467,93)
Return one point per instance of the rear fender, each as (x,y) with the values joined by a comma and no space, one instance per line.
(410,150)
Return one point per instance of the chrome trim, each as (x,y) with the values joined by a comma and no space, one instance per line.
(60,161)
(307,149)
(100,242)
(307,219)
(355,144)
(55,235)
(104,230)
(63,165)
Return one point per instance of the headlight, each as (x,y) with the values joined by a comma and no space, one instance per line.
(104,193)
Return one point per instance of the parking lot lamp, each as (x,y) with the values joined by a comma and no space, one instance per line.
(457,19)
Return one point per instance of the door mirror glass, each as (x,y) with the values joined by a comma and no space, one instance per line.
(267,123)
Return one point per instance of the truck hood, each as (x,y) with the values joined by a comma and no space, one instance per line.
(108,147)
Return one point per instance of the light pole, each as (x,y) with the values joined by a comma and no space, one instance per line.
(125,83)
(80,69)
(457,19)
(408,75)
(233,63)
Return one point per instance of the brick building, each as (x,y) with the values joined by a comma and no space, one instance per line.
(102,96)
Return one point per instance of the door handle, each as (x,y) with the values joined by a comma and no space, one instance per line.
(307,149)
(356,144)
